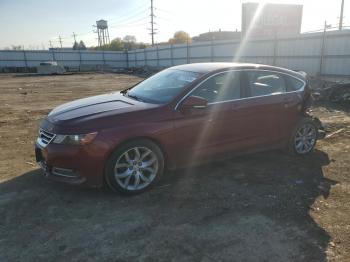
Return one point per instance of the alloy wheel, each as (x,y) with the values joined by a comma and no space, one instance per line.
(136,168)
(305,138)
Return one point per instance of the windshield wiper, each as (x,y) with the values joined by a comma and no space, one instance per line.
(133,97)
(124,91)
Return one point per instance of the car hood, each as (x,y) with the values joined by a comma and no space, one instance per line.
(92,107)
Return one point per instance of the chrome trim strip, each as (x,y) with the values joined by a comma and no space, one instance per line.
(44,138)
(40,143)
(56,171)
(244,98)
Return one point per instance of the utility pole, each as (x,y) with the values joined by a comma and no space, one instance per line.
(60,40)
(152,23)
(323,47)
(341,15)
(53,53)
(74,35)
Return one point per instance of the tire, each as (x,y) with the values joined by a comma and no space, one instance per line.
(303,138)
(134,167)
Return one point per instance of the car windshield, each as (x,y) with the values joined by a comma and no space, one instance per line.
(162,87)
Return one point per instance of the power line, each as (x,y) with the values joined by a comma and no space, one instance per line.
(89,32)
(131,25)
(123,21)
(124,16)
(127,18)
(164,11)
(163,18)
(134,21)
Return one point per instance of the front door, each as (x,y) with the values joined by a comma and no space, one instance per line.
(202,132)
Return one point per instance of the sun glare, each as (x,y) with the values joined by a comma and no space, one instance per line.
(246,37)
(205,130)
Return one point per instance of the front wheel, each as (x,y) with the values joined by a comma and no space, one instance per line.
(304,137)
(135,167)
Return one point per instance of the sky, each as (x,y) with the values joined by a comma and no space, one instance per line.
(33,23)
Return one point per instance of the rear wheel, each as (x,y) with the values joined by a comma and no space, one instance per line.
(135,167)
(304,137)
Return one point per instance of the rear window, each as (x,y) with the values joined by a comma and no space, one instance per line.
(266,83)
(294,84)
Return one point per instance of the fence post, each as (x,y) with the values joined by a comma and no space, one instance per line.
(145,55)
(104,61)
(322,48)
(212,50)
(135,56)
(53,55)
(171,55)
(127,58)
(188,53)
(157,56)
(275,42)
(25,60)
(79,60)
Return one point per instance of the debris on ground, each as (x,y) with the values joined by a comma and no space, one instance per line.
(335,132)
(340,93)
(332,91)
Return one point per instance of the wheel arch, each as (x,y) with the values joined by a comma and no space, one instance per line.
(167,162)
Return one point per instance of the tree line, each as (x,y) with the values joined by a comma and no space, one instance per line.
(129,42)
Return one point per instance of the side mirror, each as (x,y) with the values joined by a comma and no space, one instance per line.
(194,102)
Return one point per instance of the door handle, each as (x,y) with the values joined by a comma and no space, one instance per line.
(236,106)
(287,99)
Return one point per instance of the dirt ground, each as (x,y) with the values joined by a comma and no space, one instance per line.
(261,207)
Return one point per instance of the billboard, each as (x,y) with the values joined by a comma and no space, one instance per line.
(271,20)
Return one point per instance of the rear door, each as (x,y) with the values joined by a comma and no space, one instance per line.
(293,101)
(263,107)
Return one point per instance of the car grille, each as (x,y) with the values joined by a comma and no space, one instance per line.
(45,137)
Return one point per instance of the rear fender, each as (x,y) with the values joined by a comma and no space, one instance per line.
(321,132)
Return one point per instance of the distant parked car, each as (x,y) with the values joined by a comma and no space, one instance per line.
(180,116)
(50,68)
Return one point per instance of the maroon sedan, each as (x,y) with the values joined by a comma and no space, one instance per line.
(180,116)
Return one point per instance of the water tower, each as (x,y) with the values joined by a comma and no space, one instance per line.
(102,32)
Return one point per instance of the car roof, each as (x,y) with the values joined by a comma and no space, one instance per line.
(205,68)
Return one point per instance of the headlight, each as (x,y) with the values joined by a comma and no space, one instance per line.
(74,139)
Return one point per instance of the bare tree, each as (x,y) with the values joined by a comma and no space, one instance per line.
(129,39)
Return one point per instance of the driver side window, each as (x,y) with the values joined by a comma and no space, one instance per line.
(222,87)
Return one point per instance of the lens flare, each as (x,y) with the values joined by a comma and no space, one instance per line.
(246,37)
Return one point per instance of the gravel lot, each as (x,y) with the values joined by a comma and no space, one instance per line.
(261,207)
